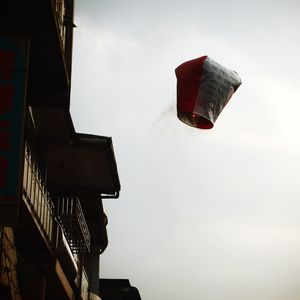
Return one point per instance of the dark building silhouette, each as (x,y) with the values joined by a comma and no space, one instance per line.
(52,179)
(118,289)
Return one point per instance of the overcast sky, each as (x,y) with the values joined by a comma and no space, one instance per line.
(212,215)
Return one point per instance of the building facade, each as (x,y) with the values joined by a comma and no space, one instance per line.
(52,179)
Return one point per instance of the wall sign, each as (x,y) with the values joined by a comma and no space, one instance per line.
(13,71)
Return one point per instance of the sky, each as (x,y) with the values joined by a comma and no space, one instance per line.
(202,214)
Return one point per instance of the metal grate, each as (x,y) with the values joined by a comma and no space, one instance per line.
(73,224)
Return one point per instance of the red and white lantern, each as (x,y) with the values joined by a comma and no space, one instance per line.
(204,87)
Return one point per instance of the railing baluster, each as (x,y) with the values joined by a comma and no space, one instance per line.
(38,190)
(29,181)
(46,219)
(43,203)
(33,179)
(25,177)
(51,215)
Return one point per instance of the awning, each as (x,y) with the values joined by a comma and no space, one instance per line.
(85,164)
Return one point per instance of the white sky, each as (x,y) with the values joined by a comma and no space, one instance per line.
(215,214)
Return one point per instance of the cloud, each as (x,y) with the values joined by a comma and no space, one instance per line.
(106,42)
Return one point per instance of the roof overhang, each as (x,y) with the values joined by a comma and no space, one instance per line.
(86,164)
(52,123)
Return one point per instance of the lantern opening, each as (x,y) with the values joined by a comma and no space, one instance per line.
(195,120)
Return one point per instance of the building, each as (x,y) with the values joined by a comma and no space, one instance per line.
(118,289)
(52,179)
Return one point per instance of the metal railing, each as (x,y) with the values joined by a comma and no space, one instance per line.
(65,212)
(68,210)
(73,223)
(37,197)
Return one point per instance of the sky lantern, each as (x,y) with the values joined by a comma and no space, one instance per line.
(204,87)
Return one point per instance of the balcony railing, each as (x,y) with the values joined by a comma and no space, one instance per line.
(66,211)
(37,197)
(72,221)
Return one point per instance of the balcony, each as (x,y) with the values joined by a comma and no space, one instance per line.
(73,224)
(37,198)
(59,220)
(41,206)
